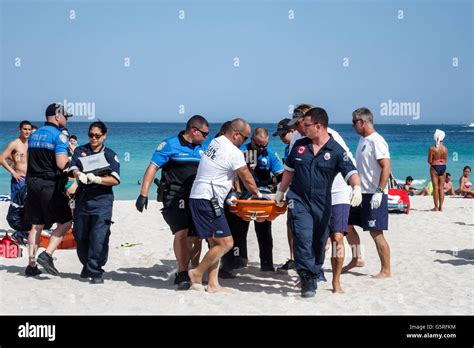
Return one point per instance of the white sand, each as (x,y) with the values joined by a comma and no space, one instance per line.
(432,265)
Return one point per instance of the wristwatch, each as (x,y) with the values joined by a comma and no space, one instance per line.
(379,190)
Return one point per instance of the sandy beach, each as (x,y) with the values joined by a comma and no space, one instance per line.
(432,264)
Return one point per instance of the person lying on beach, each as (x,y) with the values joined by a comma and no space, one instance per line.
(465,186)
(426,191)
(448,186)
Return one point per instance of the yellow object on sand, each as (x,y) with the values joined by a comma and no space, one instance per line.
(430,187)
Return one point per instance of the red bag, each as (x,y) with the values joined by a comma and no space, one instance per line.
(9,248)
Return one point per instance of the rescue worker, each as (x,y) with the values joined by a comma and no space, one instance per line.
(285,132)
(97,168)
(47,203)
(267,169)
(310,168)
(215,176)
(178,157)
(373,164)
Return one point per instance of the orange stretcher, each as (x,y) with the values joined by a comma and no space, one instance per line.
(257,210)
(68,241)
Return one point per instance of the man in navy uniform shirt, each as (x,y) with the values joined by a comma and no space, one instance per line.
(178,157)
(310,168)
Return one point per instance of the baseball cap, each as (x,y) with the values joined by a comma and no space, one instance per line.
(56,109)
(282,127)
(298,113)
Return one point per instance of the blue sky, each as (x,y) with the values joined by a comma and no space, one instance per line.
(282,61)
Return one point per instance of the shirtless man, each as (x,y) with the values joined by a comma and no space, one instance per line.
(448,186)
(437,158)
(14,158)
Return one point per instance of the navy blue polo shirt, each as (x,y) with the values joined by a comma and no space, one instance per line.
(314,174)
(179,160)
(43,146)
(93,190)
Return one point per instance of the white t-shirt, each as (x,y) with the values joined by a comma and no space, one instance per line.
(218,164)
(296,135)
(369,150)
(340,190)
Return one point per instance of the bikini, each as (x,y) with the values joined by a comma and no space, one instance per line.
(440,169)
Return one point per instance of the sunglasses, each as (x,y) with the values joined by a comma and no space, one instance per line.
(95,136)
(243,136)
(204,134)
(355,121)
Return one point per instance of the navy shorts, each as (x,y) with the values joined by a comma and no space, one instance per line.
(339,218)
(367,218)
(206,224)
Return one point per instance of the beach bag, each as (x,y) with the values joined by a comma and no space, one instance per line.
(9,248)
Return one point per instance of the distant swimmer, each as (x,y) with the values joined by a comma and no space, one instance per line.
(14,158)
(437,158)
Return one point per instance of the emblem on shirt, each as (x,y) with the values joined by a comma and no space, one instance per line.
(372,223)
(264,161)
(301,150)
(327,156)
(63,138)
(363,148)
(83,154)
(161,146)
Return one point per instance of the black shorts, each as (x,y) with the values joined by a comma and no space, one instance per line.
(178,216)
(367,218)
(44,204)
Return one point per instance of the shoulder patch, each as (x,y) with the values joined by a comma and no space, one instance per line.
(161,146)
(63,138)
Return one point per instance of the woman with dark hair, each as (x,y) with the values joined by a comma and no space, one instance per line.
(465,186)
(97,169)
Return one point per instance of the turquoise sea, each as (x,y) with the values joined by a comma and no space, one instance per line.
(135,143)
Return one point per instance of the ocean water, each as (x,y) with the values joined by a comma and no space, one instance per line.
(135,143)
